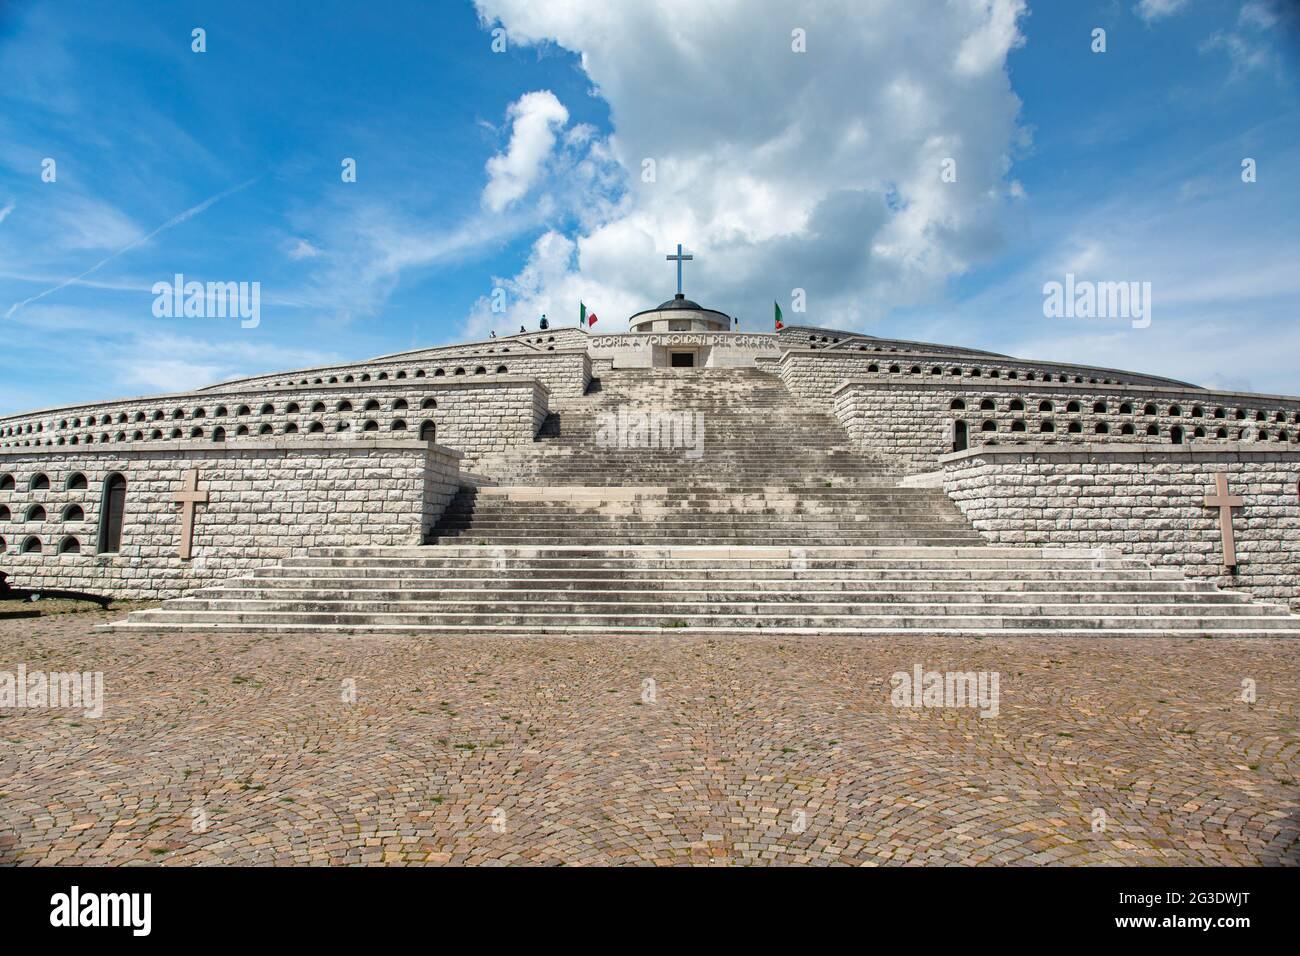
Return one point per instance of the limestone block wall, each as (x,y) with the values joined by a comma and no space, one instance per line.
(912,421)
(815,374)
(565,371)
(1147,503)
(806,337)
(478,416)
(267,500)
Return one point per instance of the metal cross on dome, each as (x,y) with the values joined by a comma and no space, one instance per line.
(679,259)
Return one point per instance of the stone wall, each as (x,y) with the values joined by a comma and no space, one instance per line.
(1149,503)
(813,337)
(815,374)
(267,500)
(565,371)
(912,422)
(478,416)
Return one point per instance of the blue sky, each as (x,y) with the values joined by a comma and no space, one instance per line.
(524,171)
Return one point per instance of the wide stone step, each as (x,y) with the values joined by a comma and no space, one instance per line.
(715,478)
(775,617)
(705,579)
(721,430)
(699,495)
(846,499)
(519,506)
(790,513)
(622,512)
(633,603)
(737,540)
(810,564)
(604,630)
(596,468)
(533,496)
(752,458)
(709,590)
(596,461)
(719,519)
(307,587)
(561,533)
(721,524)
(815,450)
(753,507)
(609,578)
(827,444)
(752,461)
(1023,555)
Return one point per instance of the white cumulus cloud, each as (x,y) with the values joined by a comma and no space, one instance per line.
(779,169)
(535,118)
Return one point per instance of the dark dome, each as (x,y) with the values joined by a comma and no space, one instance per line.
(680,304)
(679,301)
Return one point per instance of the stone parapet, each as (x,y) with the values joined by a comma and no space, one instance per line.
(817,373)
(1147,502)
(556,358)
(266,500)
(914,422)
(477,415)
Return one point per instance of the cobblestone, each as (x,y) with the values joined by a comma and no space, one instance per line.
(542,751)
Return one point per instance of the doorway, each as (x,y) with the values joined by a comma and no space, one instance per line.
(681,359)
(110,514)
(959,441)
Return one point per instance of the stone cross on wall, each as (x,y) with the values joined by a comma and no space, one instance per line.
(1225,503)
(188,497)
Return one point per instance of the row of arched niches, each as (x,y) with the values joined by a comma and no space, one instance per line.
(36,517)
(163,425)
(1175,423)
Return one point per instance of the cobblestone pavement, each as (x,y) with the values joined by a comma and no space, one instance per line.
(536,750)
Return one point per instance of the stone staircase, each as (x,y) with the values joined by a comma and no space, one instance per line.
(523,515)
(759,468)
(754,432)
(777,526)
(605,590)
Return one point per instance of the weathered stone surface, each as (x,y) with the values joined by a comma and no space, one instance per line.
(1150,502)
(477,417)
(910,420)
(843,414)
(267,500)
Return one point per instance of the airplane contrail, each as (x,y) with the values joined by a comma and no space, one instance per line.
(174,221)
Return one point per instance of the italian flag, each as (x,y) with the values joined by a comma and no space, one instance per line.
(779,326)
(584,319)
